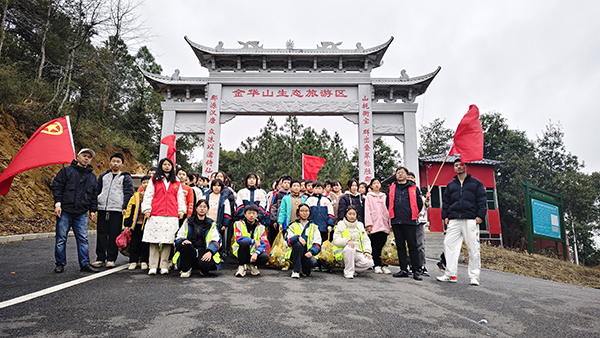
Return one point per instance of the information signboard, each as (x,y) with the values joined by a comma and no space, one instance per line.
(545,219)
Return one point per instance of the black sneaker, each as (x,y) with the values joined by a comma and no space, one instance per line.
(88,268)
(417,275)
(424,271)
(59,268)
(441,266)
(401,274)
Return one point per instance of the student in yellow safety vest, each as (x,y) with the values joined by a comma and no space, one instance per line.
(198,242)
(352,244)
(251,245)
(304,238)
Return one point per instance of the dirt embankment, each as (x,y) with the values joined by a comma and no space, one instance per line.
(29,206)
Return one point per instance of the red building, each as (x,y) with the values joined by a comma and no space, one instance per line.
(483,170)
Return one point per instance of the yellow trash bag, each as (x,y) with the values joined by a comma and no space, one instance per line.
(278,251)
(389,253)
(326,255)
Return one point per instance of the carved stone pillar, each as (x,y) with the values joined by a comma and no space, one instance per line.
(366,165)
(212,134)
(168,128)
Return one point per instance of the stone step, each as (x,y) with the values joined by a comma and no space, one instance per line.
(434,244)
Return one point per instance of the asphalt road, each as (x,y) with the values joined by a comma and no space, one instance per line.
(133,304)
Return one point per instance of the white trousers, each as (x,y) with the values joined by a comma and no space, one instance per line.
(355,261)
(457,230)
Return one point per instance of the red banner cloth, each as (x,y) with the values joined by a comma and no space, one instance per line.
(311,166)
(170,142)
(51,144)
(468,139)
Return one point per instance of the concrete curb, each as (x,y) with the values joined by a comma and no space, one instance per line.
(30,237)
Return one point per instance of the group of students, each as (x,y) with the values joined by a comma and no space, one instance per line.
(204,219)
(205,223)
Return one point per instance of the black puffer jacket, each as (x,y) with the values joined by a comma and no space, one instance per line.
(346,200)
(464,201)
(75,188)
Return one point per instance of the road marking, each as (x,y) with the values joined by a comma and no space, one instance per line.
(59,287)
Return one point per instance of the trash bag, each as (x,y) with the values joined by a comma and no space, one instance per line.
(278,252)
(123,241)
(389,253)
(326,255)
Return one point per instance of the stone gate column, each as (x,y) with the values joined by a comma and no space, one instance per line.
(168,128)
(212,133)
(365,134)
(411,152)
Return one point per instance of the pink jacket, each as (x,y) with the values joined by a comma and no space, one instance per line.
(376,213)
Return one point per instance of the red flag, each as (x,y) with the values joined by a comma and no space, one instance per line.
(468,139)
(311,166)
(51,144)
(170,142)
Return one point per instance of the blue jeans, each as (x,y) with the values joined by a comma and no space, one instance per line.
(79,224)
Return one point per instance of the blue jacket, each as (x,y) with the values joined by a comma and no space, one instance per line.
(321,211)
(223,219)
(464,201)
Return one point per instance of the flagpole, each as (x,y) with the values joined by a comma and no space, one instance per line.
(439,170)
(303,166)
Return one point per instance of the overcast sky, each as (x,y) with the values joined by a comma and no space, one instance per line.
(532,61)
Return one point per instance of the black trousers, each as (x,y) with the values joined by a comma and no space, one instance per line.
(300,262)
(406,235)
(378,240)
(191,258)
(272,233)
(244,255)
(138,250)
(325,236)
(109,227)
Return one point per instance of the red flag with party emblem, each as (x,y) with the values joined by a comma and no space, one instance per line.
(468,139)
(51,144)
(311,166)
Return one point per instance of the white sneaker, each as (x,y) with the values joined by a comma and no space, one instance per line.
(285,268)
(349,276)
(378,269)
(474,282)
(445,278)
(97,264)
(185,274)
(386,270)
(132,266)
(164,271)
(296,274)
(152,272)
(254,270)
(144,266)
(241,271)
(110,264)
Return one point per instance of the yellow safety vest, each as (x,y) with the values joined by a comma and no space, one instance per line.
(258,232)
(216,257)
(338,252)
(297,230)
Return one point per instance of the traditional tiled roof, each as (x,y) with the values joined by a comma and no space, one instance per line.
(158,82)
(288,51)
(406,82)
(440,158)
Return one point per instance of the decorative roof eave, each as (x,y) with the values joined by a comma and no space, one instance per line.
(204,53)
(439,158)
(411,81)
(159,82)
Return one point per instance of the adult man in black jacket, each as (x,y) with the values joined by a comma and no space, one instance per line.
(74,190)
(464,207)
